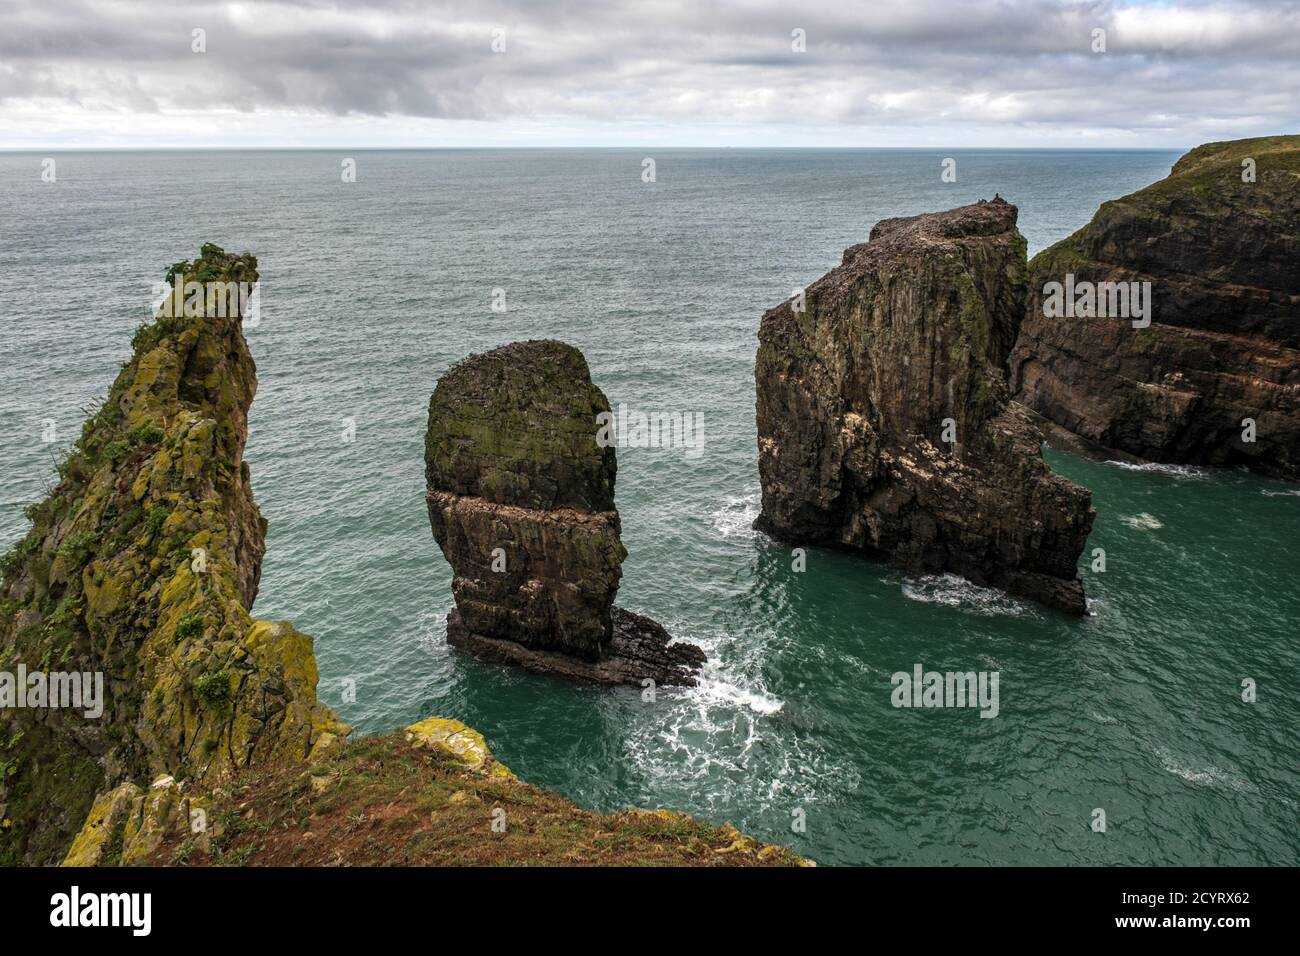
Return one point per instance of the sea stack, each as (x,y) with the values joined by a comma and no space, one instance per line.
(884,423)
(521,501)
(141,567)
(1211,373)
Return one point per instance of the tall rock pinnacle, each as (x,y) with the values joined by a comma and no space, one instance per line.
(141,566)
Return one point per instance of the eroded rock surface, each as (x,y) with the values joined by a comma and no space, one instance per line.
(1223,259)
(897,350)
(521,501)
(141,566)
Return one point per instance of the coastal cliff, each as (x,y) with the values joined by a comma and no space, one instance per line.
(521,501)
(1219,242)
(141,567)
(884,423)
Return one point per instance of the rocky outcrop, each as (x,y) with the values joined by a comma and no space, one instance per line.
(521,501)
(1222,256)
(141,566)
(463,744)
(883,416)
(125,825)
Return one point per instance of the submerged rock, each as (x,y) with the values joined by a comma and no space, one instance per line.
(1222,256)
(521,501)
(883,416)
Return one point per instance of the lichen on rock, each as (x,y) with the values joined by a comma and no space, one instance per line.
(463,743)
(126,825)
(142,565)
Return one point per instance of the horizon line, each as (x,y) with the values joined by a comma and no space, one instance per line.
(418,149)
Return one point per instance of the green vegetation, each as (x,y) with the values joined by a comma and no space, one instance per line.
(79,546)
(213,689)
(88,589)
(189,627)
(155,520)
(145,434)
(154,475)
(1207,175)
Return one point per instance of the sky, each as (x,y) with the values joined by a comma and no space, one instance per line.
(664,73)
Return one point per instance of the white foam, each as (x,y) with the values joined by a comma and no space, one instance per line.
(735,518)
(1208,777)
(727,727)
(950,590)
(431,631)
(1282,494)
(1171,471)
(1143,521)
(717,691)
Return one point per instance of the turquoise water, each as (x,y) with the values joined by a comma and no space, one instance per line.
(370,291)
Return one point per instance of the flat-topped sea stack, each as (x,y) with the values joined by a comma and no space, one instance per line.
(521,500)
(883,415)
(1219,242)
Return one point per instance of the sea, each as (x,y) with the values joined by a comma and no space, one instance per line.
(1171,714)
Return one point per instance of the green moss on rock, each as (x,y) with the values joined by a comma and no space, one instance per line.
(142,565)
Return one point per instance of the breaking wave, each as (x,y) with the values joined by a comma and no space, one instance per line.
(1143,521)
(951,590)
(431,631)
(1171,471)
(735,518)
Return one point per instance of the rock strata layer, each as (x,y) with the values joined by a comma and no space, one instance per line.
(521,501)
(884,423)
(1222,256)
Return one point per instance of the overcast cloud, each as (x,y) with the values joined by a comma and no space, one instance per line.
(653,73)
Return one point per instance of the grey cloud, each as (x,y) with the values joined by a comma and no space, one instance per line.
(1004,61)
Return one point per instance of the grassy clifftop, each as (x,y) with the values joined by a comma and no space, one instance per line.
(1205,186)
(1216,239)
(433,796)
(142,565)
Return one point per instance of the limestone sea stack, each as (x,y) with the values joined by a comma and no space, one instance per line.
(1219,242)
(141,567)
(884,423)
(521,501)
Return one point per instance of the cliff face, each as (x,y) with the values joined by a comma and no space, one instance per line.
(1222,256)
(142,565)
(883,415)
(521,501)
